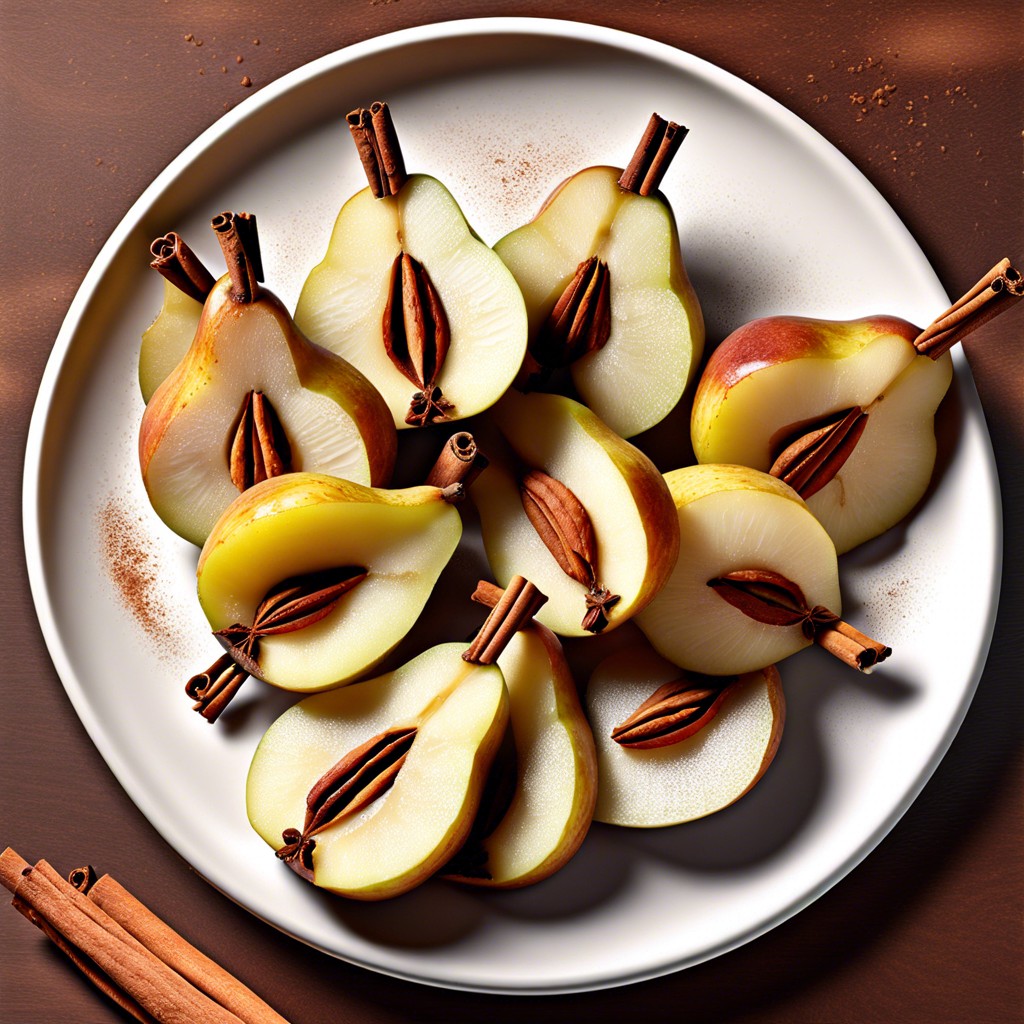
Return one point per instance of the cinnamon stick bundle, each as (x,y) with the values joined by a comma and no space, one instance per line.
(127,951)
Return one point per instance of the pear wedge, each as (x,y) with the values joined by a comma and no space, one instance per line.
(445,718)
(696,776)
(634,538)
(302,524)
(555,776)
(167,339)
(623,240)
(203,438)
(409,294)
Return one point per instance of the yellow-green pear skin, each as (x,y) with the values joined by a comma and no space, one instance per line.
(697,776)
(334,419)
(305,522)
(657,329)
(460,711)
(776,376)
(626,498)
(167,339)
(734,518)
(556,768)
(342,302)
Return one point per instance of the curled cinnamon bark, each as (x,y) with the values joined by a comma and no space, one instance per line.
(993,294)
(239,241)
(377,142)
(460,462)
(661,140)
(173,259)
(519,602)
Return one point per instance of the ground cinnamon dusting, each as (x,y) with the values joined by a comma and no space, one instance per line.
(133,569)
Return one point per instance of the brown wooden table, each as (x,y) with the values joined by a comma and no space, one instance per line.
(96,99)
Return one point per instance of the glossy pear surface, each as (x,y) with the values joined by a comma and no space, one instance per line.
(404,836)
(334,419)
(628,502)
(657,332)
(556,766)
(167,339)
(342,302)
(696,776)
(779,372)
(733,518)
(304,522)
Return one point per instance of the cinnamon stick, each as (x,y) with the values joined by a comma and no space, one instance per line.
(993,294)
(519,602)
(236,233)
(661,140)
(851,646)
(460,462)
(139,921)
(181,266)
(373,132)
(110,956)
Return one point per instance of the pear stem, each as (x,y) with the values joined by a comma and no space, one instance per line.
(658,146)
(181,266)
(518,603)
(236,233)
(994,293)
(460,462)
(375,137)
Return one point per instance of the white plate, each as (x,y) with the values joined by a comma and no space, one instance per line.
(773,219)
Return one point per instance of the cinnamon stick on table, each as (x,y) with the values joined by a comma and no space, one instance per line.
(127,951)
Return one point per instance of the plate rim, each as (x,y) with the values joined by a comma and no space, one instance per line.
(42,412)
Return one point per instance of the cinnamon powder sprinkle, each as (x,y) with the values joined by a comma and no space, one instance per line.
(133,569)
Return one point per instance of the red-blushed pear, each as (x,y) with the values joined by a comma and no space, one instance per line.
(756,579)
(368,790)
(410,295)
(581,511)
(841,410)
(674,746)
(606,290)
(187,283)
(539,802)
(252,399)
(308,580)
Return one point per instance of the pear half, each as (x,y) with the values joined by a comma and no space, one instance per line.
(700,774)
(778,377)
(334,420)
(303,523)
(167,339)
(635,528)
(732,518)
(657,330)
(555,783)
(343,301)
(459,711)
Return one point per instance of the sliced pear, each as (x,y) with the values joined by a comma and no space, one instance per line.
(555,774)
(332,418)
(305,523)
(696,776)
(732,518)
(774,379)
(635,377)
(167,339)
(635,528)
(459,712)
(343,302)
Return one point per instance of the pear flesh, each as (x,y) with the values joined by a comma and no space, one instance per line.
(633,517)
(460,711)
(657,332)
(334,420)
(302,523)
(342,302)
(733,518)
(780,371)
(556,768)
(167,339)
(697,776)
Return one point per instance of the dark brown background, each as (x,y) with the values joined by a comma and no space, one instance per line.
(97,98)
